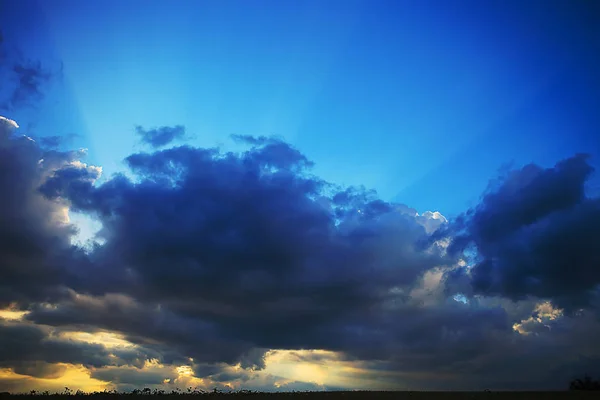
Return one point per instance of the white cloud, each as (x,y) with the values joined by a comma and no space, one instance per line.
(544,313)
(9,122)
(431,221)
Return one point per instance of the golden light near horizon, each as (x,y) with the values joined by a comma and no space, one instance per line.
(311,373)
(283,368)
(320,367)
(75,377)
(185,370)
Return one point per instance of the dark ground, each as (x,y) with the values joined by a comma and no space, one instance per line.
(332,396)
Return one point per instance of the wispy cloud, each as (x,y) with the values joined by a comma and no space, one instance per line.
(23,80)
(160,137)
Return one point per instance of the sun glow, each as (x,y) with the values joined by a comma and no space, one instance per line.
(11,314)
(321,367)
(185,370)
(106,339)
(544,313)
(74,377)
(311,373)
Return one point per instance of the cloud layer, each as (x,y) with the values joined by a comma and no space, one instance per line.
(210,260)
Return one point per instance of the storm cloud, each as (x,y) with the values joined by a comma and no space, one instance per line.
(31,350)
(211,259)
(249,246)
(35,248)
(535,233)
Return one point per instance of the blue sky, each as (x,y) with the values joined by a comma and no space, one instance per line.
(239,267)
(422,101)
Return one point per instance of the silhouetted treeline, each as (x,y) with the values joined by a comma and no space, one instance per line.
(138,392)
(586,383)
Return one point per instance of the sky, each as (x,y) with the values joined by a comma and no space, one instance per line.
(299,195)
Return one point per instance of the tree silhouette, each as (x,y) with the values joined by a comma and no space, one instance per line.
(587,383)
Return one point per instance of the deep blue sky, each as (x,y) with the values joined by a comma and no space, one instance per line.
(239,267)
(422,101)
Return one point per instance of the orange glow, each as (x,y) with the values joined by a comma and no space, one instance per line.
(75,377)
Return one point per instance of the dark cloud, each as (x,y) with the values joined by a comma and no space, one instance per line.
(535,233)
(249,251)
(133,376)
(217,257)
(228,376)
(252,246)
(28,348)
(253,359)
(39,369)
(39,351)
(207,370)
(24,80)
(160,137)
(35,249)
(166,336)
